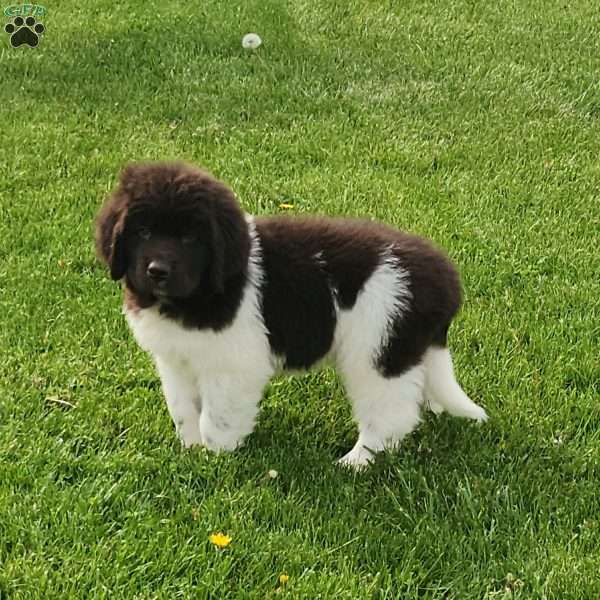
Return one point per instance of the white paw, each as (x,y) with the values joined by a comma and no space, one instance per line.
(219,439)
(358,458)
(189,434)
(477,414)
(435,407)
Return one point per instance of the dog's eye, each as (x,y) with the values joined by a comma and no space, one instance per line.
(189,238)
(144,233)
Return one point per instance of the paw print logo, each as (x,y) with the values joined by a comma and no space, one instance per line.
(24,31)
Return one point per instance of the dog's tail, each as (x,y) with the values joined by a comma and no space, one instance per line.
(442,390)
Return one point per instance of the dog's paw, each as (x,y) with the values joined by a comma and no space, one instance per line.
(190,438)
(24,31)
(477,414)
(434,407)
(357,459)
(188,432)
(219,439)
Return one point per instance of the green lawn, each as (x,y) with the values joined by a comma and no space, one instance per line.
(476,124)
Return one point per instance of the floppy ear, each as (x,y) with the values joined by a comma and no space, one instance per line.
(118,258)
(229,239)
(110,243)
(218,255)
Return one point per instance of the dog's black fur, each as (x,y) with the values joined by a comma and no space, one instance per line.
(180,218)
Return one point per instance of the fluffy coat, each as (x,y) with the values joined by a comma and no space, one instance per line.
(223,300)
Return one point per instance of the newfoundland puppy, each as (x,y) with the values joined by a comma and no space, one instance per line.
(223,300)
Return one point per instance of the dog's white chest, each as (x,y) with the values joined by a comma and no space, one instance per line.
(243,342)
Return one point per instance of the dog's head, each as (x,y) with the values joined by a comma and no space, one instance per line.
(172,231)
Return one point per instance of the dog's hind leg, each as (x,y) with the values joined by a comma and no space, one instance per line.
(442,390)
(386,409)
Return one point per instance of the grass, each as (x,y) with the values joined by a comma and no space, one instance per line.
(473,123)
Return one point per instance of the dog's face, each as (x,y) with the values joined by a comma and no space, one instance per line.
(172,231)
(166,260)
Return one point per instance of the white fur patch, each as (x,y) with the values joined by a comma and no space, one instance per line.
(363,330)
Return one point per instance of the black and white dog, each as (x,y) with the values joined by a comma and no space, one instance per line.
(223,300)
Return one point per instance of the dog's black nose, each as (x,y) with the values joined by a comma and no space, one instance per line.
(158,270)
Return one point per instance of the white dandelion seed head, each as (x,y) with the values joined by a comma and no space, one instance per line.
(251,41)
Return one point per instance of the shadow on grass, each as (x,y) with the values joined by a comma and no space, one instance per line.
(175,70)
(164,69)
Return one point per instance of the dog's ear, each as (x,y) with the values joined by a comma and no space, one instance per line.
(218,255)
(118,256)
(110,236)
(229,238)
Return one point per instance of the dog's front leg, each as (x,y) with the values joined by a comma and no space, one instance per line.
(229,409)
(183,400)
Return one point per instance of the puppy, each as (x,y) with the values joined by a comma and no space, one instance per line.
(223,300)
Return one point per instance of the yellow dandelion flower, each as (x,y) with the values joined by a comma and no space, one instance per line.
(283,579)
(284,205)
(220,540)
